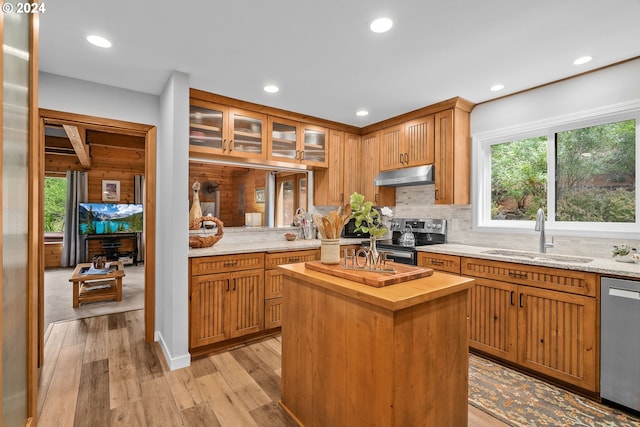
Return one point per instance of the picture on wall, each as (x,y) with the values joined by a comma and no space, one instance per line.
(110,191)
(259,195)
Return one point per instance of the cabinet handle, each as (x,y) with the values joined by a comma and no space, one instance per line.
(224,145)
(228,285)
(436,194)
(230,263)
(294,259)
(521,300)
(406,158)
(297,154)
(401,159)
(301,154)
(437,262)
(234,284)
(231,145)
(375,197)
(511,298)
(517,275)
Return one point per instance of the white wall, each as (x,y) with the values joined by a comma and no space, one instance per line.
(172,222)
(170,113)
(611,86)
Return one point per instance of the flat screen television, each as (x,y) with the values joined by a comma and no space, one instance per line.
(109,218)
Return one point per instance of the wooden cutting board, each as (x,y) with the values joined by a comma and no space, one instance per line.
(372,278)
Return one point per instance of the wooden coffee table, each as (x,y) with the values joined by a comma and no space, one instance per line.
(97,287)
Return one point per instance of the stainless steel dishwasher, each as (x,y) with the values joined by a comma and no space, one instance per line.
(620,341)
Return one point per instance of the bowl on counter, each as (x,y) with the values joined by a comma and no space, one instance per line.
(290,237)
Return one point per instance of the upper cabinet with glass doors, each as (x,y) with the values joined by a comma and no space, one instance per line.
(218,129)
(296,142)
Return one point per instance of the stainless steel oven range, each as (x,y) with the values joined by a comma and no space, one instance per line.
(401,248)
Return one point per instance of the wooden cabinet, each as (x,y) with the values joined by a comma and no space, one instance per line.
(273,282)
(334,185)
(284,139)
(544,319)
(226,297)
(452,165)
(408,144)
(297,142)
(222,130)
(441,262)
(381,196)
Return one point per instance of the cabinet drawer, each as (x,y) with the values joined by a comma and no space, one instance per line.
(273,313)
(224,263)
(575,282)
(448,263)
(272,260)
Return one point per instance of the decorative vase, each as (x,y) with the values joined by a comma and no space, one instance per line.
(330,251)
(373,255)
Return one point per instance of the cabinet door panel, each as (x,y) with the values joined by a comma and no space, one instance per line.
(419,135)
(209,309)
(444,157)
(557,335)
(248,134)
(207,127)
(284,139)
(392,152)
(247,302)
(273,313)
(351,156)
(314,145)
(493,318)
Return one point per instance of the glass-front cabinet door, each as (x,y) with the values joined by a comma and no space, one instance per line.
(284,139)
(314,146)
(248,134)
(217,129)
(207,128)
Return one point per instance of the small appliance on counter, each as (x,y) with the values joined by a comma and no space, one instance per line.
(425,231)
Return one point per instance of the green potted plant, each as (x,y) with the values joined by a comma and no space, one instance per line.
(368,220)
(622,253)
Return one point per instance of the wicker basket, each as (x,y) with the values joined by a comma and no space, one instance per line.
(206,241)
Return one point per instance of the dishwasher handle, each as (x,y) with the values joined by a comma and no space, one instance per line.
(624,293)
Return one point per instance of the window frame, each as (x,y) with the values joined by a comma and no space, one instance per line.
(481,186)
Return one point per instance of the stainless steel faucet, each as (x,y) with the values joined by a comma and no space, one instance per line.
(540,227)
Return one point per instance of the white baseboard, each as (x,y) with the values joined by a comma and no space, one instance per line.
(174,363)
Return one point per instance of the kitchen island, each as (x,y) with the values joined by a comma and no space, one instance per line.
(356,355)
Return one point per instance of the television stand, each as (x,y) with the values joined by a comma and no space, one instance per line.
(111,244)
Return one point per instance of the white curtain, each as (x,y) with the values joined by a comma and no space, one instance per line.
(139,197)
(73,250)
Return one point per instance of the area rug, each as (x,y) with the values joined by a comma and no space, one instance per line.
(520,400)
(58,296)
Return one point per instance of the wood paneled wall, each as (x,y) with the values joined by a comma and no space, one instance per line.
(237,189)
(113,157)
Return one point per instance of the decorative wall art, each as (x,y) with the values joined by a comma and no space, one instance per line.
(110,191)
(259,195)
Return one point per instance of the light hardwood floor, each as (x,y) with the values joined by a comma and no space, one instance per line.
(100,372)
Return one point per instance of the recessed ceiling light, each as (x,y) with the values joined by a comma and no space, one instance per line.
(497,87)
(98,41)
(362,113)
(381,25)
(271,88)
(582,60)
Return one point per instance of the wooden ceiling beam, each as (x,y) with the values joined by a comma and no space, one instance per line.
(77,138)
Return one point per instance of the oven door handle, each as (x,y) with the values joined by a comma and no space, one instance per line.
(407,255)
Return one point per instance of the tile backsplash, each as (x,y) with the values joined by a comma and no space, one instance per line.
(419,201)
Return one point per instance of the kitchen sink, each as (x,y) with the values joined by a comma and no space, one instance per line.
(535,256)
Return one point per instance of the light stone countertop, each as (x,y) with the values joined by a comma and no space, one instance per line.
(598,265)
(234,245)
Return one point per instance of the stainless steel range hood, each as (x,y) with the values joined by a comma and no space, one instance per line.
(418,175)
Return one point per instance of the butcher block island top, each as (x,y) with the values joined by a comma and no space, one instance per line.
(393,273)
(356,355)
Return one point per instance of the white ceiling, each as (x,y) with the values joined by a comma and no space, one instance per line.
(322,55)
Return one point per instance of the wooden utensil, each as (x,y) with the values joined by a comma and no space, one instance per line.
(317,220)
(328,229)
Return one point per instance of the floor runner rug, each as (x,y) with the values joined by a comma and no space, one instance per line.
(520,400)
